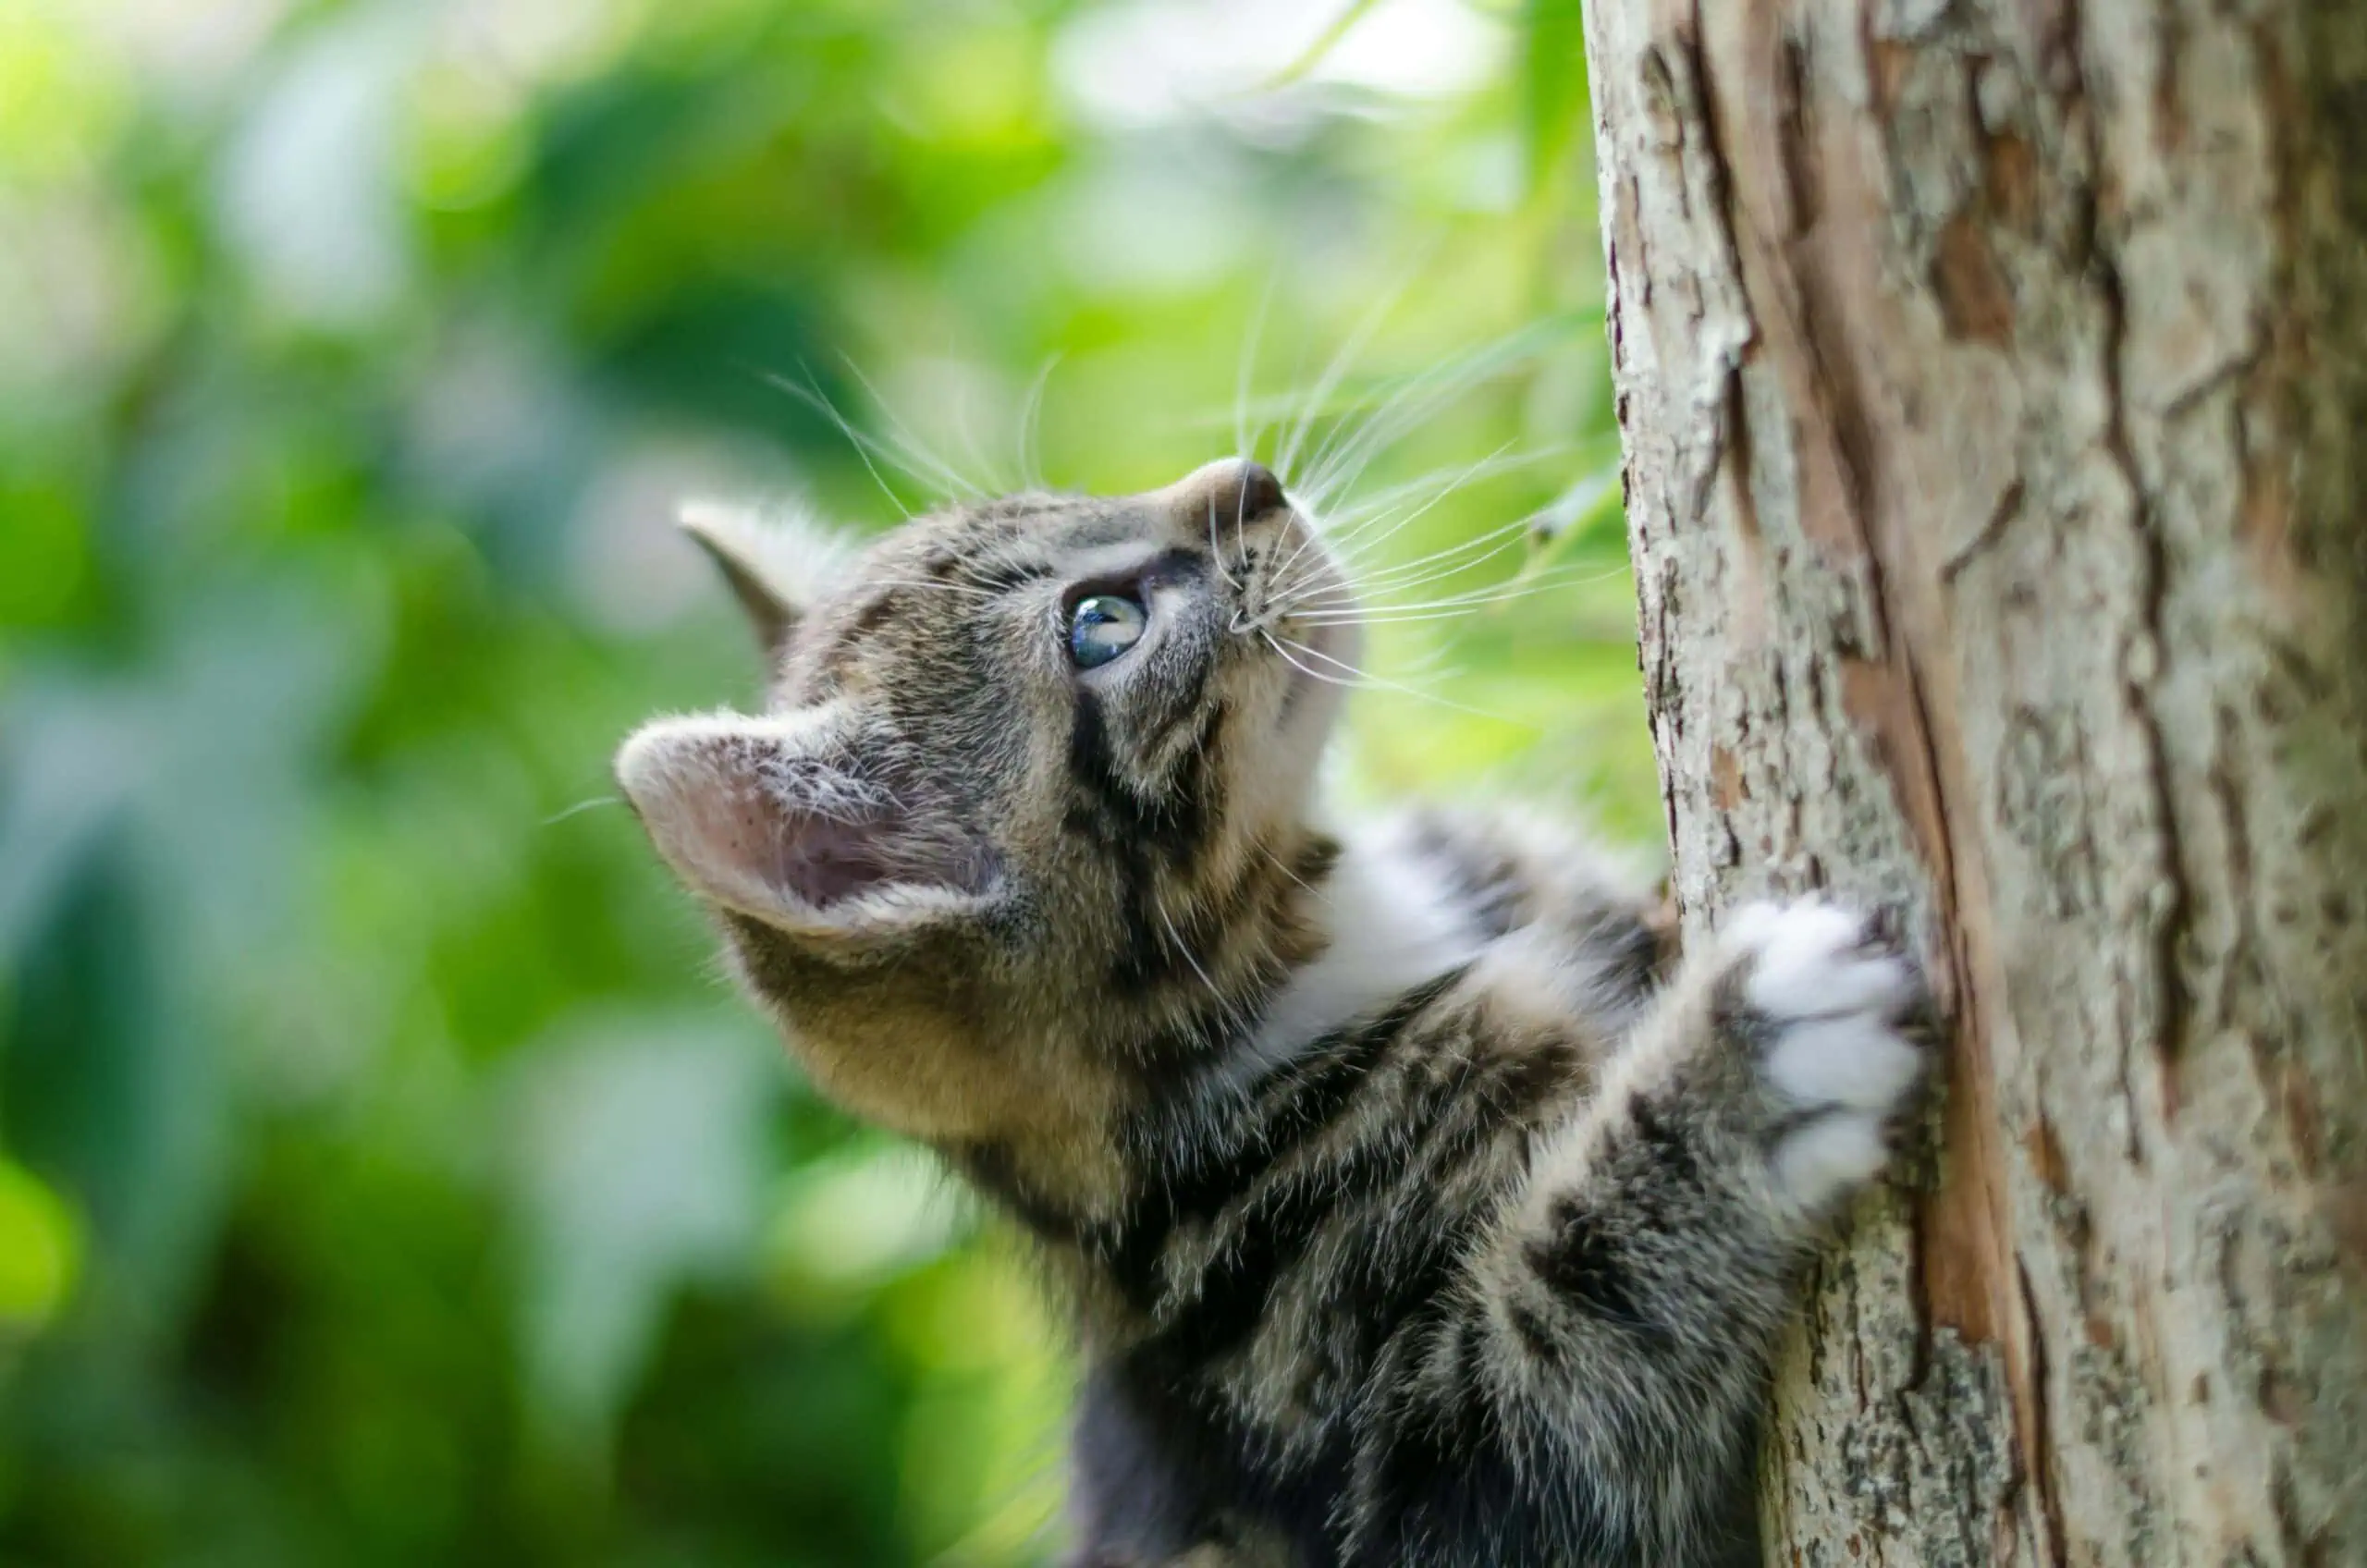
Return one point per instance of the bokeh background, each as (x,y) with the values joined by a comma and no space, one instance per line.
(385,1173)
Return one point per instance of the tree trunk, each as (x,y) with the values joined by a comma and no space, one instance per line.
(1990,373)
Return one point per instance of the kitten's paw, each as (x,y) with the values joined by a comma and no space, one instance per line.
(1824,1001)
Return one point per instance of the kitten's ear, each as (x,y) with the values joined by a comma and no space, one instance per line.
(774,817)
(776,562)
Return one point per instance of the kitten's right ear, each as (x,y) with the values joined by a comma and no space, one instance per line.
(776,562)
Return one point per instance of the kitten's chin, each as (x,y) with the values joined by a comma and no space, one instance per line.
(1320,670)
(1341,643)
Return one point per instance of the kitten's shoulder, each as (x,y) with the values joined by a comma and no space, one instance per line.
(1512,865)
(1555,930)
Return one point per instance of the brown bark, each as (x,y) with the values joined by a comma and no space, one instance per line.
(1990,372)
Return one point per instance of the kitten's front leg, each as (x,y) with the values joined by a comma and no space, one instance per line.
(1619,1331)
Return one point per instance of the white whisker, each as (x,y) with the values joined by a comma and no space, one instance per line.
(1286,460)
(1392,413)
(1457,613)
(1456,557)
(1362,678)
(1435,567)
(1449,490)
(910,445)
(1403,410)
(1519,525)
(1384,499)
(1225,1009)
(1343,527)
(1362,597)
(1283,866)
(1030,410)
(1518,588)
(1281,647)
(968,436)
(581,806)
(864,444)
(1216,554)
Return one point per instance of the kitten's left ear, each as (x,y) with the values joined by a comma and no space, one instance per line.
(776,562)
(795,820)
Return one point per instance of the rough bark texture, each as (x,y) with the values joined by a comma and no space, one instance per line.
(1992,374)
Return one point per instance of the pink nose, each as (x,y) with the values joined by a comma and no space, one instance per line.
(1236,489)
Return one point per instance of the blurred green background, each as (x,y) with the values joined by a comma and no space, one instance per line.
(385,1173)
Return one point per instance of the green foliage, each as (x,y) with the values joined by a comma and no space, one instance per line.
(386,1175)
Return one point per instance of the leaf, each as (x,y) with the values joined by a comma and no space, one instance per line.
(638,1165)
(1553,87)
(41,1250)
(1322,44)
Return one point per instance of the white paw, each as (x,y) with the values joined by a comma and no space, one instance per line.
(1830,997)
(1835,1155)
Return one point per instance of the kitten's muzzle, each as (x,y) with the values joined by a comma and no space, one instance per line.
(1234,491)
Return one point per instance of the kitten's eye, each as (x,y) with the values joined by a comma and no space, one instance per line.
(1102,626)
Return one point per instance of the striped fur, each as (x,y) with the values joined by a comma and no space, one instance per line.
(1416,1202)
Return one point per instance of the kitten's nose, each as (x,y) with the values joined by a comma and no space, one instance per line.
(1233,489)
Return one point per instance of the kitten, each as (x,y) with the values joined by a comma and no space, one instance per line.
(1416,1202)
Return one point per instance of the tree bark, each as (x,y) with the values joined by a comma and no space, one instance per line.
(1992,375)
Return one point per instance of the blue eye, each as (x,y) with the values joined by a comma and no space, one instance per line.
(1102,626)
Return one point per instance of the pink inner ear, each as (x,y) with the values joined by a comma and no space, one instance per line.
(754,820)
(825,861)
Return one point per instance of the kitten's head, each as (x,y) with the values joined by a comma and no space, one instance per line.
(1026,814)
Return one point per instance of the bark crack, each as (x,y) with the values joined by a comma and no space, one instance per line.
(2169,903)
(2038,1474)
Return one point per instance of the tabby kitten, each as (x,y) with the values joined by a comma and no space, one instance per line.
(1416,1203)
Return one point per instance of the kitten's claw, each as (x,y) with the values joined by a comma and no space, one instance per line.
(1828,998)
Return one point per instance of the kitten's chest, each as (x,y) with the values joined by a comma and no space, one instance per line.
(1273,1281)
(1166,1473)
(1229,1427)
